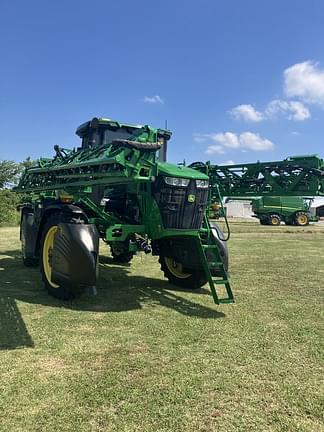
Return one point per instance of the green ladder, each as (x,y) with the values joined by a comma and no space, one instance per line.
(208,265)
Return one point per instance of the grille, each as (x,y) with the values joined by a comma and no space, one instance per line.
(176,210)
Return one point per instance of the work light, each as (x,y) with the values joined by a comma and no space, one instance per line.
(176,181)
(202,184)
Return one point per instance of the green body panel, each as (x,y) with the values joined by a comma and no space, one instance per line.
(181,171)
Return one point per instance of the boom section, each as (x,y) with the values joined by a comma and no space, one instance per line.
(117,162)
(294,176)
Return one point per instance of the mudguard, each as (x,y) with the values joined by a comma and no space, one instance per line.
(34,217)
(75,255)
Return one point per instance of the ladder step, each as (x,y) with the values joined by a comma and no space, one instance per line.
(226,300)
(214,263)
(220,281)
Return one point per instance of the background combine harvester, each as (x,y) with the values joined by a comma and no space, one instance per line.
(277,190)
(292,210)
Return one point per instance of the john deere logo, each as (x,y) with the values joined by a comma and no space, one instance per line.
(191,198)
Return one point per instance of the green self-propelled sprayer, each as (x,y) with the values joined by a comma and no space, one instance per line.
(116,187)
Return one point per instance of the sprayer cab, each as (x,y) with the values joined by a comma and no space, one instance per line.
(102,131)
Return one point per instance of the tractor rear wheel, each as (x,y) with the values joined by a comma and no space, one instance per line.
(301,219)
(274,219)
(27,261)
(174,272)
(47,242)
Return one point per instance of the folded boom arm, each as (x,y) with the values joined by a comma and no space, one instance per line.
(294,176)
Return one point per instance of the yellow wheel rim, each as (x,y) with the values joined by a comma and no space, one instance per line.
(302,220)
(47,254)
(275,221)
(176,268)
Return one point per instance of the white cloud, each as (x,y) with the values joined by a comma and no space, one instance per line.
(295,110)
(215,149)
(254,142)
(227,139)
(247,113)
(305,81)
(153,99)
(243,141)
(298,111)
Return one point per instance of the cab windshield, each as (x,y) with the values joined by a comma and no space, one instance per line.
(102,135)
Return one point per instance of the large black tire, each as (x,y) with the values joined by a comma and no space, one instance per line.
(120,253)
(30,262)
(27,261)
(195,278)
(301,219)
(173,271)
(274,220)
(47,236)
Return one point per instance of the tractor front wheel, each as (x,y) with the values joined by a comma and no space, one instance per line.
(274,220)
(301,219)
(174,272)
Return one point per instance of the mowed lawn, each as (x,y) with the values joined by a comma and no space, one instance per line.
(144,356)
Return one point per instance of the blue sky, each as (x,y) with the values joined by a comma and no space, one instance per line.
(236,80)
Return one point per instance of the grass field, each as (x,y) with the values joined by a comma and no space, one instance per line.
(141,356)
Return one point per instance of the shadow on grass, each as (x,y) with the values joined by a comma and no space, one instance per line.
(13,332)
(117,291)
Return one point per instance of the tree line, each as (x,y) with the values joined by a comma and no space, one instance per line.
(10,171)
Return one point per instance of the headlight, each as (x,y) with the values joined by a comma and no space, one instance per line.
(202,184)
(175,181)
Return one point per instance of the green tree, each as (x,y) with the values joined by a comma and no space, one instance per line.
(9,171)
(9,200)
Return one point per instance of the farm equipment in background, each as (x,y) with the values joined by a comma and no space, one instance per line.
(275,188)
(115,188)
(292,210)
(216,210)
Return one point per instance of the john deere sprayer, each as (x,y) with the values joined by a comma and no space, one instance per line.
(114,187)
